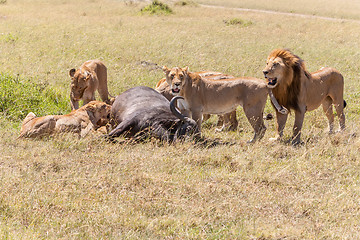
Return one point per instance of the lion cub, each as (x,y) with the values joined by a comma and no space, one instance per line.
(81,121)
(91,76)
(203,96)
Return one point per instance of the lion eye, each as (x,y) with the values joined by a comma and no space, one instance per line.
(172,75)
(181,77)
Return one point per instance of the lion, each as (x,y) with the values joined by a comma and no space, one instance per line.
(227,121)
(203,96)
(89,117)
(91,76)
(298,90)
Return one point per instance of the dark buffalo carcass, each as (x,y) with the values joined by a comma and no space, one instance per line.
(143,112)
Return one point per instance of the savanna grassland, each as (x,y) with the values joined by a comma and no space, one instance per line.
(66,188)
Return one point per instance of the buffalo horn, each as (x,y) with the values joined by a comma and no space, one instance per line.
(174,110)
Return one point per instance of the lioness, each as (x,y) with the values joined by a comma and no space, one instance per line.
(295,88)
(91,76)
(218,97)
(227,121)
(81,121)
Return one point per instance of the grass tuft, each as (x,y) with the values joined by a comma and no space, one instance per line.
(186,3)
(238,22)
(158,8)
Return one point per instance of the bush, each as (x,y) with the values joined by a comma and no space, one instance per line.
(237,21)
(157,7)
(18,97)
(186,3)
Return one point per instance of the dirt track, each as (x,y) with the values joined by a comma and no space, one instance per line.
(283,13)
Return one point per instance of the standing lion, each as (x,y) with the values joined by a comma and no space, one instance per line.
(91,76)
(298,90)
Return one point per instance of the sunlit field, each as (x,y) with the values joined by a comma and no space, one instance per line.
(65,188)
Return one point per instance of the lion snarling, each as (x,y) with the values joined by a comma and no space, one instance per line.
(203,96)
(91,76)
(89,117)
(296,89)
(227,121)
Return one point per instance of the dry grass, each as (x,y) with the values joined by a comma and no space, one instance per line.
(65,188)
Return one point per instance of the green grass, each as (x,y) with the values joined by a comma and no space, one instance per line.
(66,188)
(19,96)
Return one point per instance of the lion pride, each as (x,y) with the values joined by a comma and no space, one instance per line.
(227,121)
(203,96)
(297,89)
(91,76)
(81,121)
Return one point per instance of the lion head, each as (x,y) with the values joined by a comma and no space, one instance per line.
(283,73)
(100,112)
(176,78)
(79,82)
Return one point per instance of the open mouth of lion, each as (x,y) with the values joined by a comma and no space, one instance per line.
(175,90)
(272,82)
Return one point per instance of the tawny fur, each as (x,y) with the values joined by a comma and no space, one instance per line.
(298,90)
(81,121)
(227,121)
(203,96)
(91,76)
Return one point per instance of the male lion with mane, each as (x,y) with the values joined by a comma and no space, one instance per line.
(295,88)
(91,76)
(203,96)
(81,121)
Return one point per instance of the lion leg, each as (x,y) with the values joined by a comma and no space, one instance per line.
(206,117)
(340,112)
(221,120)
(103,92)
(299,119)
(197,116)
(281,121)
(85,131)
(74,103)
(88,97)
(257,122)
(328,109)
(233,121)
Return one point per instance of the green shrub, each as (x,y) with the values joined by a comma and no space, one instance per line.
(157,7)
(237,21)
(18,97)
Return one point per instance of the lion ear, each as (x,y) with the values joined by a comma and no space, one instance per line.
(165,69)
(72,72)
(186,70)
(90,107)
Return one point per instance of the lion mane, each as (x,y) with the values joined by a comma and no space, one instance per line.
(287,94)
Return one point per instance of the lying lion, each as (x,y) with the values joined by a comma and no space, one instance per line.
(81,121)
(227,121)
(203,96)
(297,89)
(91,76)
